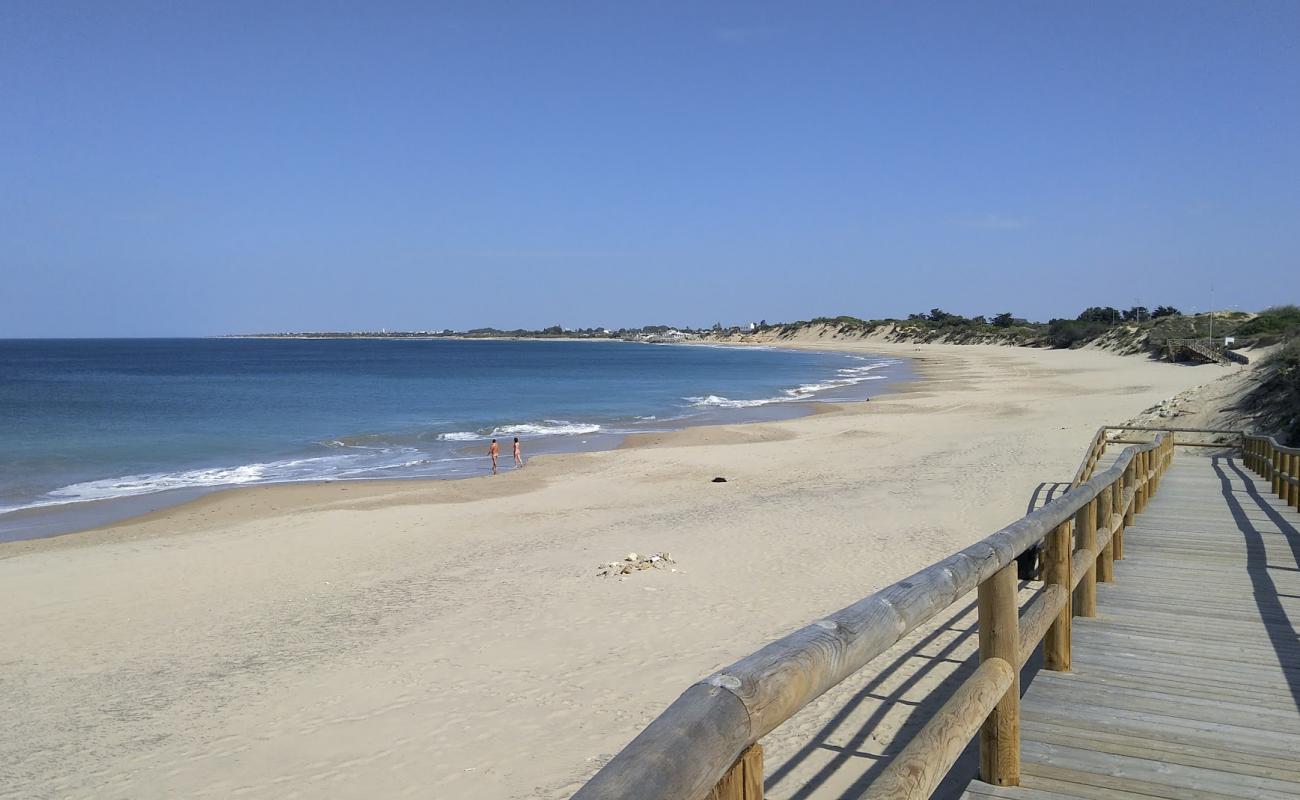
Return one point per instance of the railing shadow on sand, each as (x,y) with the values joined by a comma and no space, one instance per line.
(954,658)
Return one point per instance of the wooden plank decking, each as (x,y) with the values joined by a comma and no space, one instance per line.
(1187,683)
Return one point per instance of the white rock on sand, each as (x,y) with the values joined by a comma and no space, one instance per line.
(633,563)
(447,639)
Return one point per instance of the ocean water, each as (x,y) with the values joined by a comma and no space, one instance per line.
(88,424)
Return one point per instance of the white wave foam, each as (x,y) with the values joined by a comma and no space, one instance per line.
(714,401)
(133,485)
(459,436)
(323,468)
(849,376)
(550,427)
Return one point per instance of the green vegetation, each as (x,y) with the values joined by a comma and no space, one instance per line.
(1275,401)
(1273,324)
(1131,330)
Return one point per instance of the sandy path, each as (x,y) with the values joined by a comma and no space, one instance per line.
(450,639)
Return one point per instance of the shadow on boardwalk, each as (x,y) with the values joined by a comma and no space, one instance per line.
(1281,632)
(1134,663)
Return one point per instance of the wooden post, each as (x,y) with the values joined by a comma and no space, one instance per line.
(1290,490)
(1295,487)
(1283,469)
(1274,467)
(1293,469)
(1105,505)
(1085,538)
(744,781)
(1141,494)
(999,635)
(1284,486)
(1056,570)
(1130,482)
(1148,464)
(1146,473)
(1117,509)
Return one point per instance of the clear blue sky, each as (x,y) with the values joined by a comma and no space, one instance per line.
(188,168)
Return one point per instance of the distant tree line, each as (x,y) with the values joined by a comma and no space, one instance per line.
(1005,326)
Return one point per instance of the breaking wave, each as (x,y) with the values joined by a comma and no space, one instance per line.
(849,376)
(459,436)
(550,427)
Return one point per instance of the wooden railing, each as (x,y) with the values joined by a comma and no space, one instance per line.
(1124,434)
(1206,348)
(1277,464)
(705,745)
(1107,435)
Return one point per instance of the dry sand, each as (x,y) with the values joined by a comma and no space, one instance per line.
(452,639)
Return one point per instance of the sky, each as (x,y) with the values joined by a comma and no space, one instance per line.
(188,168)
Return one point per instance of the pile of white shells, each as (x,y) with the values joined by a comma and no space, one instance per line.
(633,562)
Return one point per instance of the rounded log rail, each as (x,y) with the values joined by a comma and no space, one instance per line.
(704,739)
(1096,448)
(1278,464)
(1100,440)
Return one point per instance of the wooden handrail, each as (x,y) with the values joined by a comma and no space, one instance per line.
(695,744)
(1205,347)
(1097,447)
(915,773)
(1279,464)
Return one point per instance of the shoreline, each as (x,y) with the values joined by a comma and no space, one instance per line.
(159,505)
(419,638)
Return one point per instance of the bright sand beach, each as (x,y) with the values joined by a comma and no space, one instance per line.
(451,639)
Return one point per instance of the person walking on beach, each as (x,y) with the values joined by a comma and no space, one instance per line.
(519,458)
(494,451)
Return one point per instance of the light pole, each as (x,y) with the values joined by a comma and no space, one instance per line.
(1211,313)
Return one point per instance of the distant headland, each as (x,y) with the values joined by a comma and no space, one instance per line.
(1132,329)
(646,333)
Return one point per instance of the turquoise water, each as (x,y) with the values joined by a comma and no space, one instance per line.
(103,420)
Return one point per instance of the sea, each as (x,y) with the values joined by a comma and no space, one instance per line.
(97,430)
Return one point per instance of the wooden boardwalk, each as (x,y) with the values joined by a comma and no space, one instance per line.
(1179,678)
(1187,683)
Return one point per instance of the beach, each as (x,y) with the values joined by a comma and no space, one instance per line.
(453,639)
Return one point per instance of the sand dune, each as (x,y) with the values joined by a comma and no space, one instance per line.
(452,640)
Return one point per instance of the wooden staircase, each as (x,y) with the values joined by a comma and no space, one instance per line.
(1203,349)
